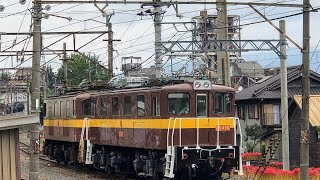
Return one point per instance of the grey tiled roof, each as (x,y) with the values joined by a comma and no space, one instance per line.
(270,88)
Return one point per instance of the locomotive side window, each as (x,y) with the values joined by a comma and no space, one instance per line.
(74,108)
(60,109)
(103,107)
(141,105)
(93,107)
(155,106)
(115,106)
(44,109)
(86,107)
(55,109)
(178,103)
(127,105)
(50,110)
(68,108)
(222,103)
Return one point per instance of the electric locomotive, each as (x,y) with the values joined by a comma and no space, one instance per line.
(174,131)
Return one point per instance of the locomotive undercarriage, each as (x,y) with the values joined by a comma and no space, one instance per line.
(190,164)
(112,160)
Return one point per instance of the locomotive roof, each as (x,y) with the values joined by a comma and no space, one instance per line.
(172,87)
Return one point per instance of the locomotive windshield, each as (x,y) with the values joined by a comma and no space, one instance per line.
(222,103)
(179,103)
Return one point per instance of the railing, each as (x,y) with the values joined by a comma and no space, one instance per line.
(173,124)
(237,126)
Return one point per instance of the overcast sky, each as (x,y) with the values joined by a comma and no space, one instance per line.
(136,32)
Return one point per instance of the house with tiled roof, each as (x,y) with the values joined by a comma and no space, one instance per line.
(260,104)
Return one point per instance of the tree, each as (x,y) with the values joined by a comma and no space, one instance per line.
(252,137)
(50,76)
(79,68)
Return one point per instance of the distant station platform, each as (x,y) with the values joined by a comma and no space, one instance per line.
(9,143)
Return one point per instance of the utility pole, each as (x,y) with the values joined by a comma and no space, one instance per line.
(65,67)
(157,40)
(284,98)
(222,34)
(110,50)
(305,133)
(35,91)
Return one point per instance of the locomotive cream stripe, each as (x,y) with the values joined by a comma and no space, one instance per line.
(186,123)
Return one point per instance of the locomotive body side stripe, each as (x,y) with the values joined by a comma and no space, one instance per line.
(186,123)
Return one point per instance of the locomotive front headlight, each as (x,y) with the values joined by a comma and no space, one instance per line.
(206,85)
(198,84)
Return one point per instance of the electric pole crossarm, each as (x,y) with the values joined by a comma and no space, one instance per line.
(53,33)
(267,20)
(173,3)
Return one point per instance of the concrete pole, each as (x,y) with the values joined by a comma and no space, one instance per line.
(110,51)
(65,67)
(222,34)
(284,99)
(35,90)
(157,41)
(305,133)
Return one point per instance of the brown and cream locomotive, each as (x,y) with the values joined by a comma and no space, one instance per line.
(177,131)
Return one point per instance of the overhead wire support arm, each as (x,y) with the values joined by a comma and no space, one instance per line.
(167,3)
(221,45)
(278,29)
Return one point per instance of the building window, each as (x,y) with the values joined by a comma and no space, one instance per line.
(155,106)
(86,107)
(222,103)
(127,106)
(141,105)
(271,114)
(93,107)
(241,111)
(115,106)
(103,107)
(178,103)
(253,111)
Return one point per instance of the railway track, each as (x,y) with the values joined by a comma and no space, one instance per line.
(25,148)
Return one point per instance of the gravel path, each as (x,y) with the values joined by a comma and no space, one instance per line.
(54,171)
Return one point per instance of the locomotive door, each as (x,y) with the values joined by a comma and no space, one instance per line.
(202,112)
(202,105)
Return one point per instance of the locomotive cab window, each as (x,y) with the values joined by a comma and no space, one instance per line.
(141,105)
(178,103)
(86,107)
(115,106)
(222,103)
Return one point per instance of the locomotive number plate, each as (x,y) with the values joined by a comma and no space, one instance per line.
(223,128)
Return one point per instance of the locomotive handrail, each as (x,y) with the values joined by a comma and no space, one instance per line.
(197,132)
(168,133)
(218,133)
(180,133)
(172,134)
(240,147)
